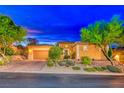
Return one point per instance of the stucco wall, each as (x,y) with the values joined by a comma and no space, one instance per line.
(90,50)
(120,53)
(38,48)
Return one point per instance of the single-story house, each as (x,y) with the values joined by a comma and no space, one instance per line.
(75,50)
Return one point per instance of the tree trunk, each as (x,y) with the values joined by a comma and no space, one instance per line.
(106,55)
(4,50)
(6,59)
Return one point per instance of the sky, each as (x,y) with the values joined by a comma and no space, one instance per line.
(51,24)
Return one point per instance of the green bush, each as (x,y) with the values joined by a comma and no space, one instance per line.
(8,51)
(86,60)
(90,69)
(50,63)
(99,68)
(70,62)
(2,62)
(94,69)
(55,53)
(105,68)
(76,68)
(66,63)
(66,56)
(113,69)
(63,63)
(21,50)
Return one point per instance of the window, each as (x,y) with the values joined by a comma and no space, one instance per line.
(85,48)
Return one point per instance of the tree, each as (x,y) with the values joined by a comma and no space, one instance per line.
(22,50)
(9,51)
(32,41)
(55,53)
(9,33)
(103,34)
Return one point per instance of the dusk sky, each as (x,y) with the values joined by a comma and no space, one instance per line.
(50,24)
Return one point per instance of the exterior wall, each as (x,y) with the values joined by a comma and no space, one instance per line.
(35,48)
(66,46)
(89,50)
(76,50)
(120,54)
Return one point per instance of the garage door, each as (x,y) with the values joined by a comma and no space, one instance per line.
(40,54)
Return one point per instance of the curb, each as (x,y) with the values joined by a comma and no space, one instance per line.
(68,73)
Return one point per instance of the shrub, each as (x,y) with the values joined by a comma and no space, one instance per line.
(76,68)
(113,69)
(66,56)
(63,63)
(105,68)
(94,69)
(70,62)
(22,51)
(90,69)
(99,68)
(55,53)
(66,63)
(9,57)
(8,51)
(86,60)
(2,62)
(50,63)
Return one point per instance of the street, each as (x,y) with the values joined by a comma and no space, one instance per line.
(28,80)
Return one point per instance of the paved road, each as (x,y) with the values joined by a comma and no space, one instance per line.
(17,80)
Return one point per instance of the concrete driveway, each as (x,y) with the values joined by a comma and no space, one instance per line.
(22,66)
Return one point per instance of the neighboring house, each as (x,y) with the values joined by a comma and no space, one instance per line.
(75,50)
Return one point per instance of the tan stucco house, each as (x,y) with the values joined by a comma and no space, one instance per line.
(75,50)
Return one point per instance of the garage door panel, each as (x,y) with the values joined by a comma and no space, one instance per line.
(40,54)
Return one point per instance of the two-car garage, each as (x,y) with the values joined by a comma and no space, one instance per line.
(39,53)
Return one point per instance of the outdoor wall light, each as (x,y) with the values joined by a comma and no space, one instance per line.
(117,57)
(30,50)
(66,46)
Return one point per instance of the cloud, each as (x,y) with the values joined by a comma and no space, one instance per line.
(33,31)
